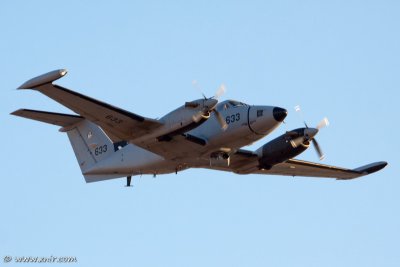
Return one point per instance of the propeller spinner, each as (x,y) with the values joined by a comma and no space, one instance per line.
(309,136)
(207,105)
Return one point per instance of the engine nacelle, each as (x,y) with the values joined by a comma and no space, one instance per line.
(219,159)
(279,150)
(185,118)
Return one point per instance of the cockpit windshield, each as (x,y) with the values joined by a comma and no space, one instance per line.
(230,104)
(236,103)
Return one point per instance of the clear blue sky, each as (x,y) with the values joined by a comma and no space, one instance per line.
(338,59)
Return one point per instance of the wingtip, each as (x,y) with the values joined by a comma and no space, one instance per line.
(372,168)
(43,79)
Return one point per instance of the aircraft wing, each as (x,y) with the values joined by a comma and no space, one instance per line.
(246,162)
(119,122)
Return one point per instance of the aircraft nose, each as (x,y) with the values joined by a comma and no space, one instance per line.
(279,114)
(264,119)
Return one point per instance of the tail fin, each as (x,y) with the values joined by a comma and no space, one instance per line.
(89,142)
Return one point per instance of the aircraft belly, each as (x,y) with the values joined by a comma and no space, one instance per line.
(129,159)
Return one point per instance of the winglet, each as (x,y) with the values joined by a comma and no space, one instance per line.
(43,79)
(371,168)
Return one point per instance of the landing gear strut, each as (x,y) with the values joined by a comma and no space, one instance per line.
(128,181)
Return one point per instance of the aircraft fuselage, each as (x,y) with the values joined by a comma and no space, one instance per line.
(246,124)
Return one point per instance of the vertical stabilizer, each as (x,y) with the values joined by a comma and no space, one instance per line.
(89,143)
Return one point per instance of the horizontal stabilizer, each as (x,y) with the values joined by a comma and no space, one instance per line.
(59,119)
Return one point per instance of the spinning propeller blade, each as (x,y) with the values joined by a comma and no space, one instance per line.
(197,86)
(207,109)
(220,120)
(220,91)
(318,149)
(322,124)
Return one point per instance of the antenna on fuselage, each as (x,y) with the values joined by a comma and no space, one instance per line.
(128,181)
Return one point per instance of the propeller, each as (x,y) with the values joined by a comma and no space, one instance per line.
(309,134)
(220,91)
(318,149)
(208,106)
(196,85)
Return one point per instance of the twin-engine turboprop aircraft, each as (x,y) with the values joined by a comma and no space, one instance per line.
(110,142)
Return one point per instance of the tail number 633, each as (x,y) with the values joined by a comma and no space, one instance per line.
(100,150)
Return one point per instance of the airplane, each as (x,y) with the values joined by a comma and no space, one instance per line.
(110,142)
